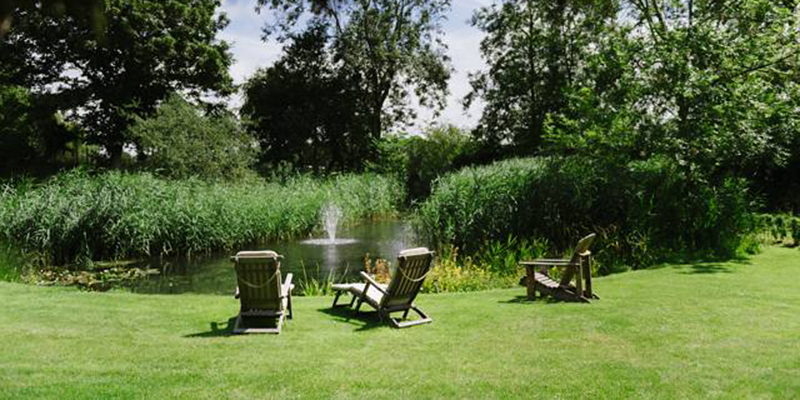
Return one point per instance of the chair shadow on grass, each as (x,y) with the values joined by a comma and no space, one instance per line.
(215,330)
(364,320)
(523,299)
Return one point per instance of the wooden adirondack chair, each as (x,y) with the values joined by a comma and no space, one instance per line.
(578,267)
(259,289)
(399,294)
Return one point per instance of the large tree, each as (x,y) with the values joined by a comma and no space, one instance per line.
(147,50)
(393,46)
(304,108)
(536,52)
(714,85)
(89,12)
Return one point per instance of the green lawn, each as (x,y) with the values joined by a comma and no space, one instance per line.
(681,331)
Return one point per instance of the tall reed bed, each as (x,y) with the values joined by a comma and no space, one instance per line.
(77,216)
(643,211)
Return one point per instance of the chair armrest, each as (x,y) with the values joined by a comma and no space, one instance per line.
(286,288)
(236,293)
(371,281)
(544,262)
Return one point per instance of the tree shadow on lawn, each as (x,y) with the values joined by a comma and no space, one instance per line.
(363,320)
(703,264)
(705,268)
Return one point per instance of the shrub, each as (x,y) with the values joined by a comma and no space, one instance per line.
(442,150)
(642,211)
(420,160)
(454,273)
(180,141)
(77,216)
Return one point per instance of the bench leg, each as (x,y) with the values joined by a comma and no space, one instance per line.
(531,283)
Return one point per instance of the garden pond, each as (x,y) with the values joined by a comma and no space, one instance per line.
(307,259)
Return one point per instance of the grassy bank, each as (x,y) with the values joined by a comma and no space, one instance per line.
(77,216)
(679,331)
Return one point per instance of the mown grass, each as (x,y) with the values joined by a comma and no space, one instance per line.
(77,216)
(705,330)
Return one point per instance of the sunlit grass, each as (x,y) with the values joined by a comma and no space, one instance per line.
(704,330)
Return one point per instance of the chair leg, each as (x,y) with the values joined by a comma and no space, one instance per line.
(424,319)
(237,326)
(405,314)
(531,283)
(335,299)
(291,314)
(358,305)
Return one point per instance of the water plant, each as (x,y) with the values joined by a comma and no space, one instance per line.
(76,217)
(642,211)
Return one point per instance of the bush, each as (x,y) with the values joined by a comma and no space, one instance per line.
(443,149)
(642,211)
(420,160)
(79,217)
(778,227)
(454,273)
(180,141)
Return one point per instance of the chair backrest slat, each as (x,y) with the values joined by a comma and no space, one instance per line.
(412,268)
(258,276)
(582,246)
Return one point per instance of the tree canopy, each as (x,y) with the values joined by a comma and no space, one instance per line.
(711,84)
(391,46)
(305,108)
(147,50)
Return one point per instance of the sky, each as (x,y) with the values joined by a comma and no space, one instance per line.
(462,39)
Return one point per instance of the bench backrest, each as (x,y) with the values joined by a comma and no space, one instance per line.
(258,274)
(412,268)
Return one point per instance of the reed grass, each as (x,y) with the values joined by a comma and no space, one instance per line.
(643,211)
(77,217)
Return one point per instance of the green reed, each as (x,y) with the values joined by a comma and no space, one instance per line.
(76,216)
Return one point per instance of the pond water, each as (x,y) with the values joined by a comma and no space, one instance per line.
(304,258)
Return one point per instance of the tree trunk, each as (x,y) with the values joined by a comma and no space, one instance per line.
(115,155)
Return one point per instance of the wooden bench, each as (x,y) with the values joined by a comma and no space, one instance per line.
(579,268)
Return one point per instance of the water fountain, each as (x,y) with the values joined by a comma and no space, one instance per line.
(331,214)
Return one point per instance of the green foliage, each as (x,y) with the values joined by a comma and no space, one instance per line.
(391,46)
(89,12)
(420,160)
(12,263)
(642,211)
(392,156)
(16,128)
(304,109)
(180,141)
(32,132)
(147,50)
(77,217)
(495,265)
(443,149)
(779,227)
(707,84)
(536,52)
(452,273)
